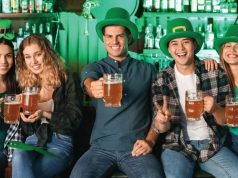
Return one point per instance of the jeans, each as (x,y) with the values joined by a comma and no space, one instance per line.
(234,143)
(98,163)
(30,164)
(222,165)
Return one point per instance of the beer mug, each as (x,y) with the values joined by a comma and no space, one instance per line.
(12,104)
(231,111)
(193,104)
(30,99)
(112,89)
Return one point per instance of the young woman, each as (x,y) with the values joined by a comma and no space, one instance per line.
(8,84)
(227,47)
(52,126)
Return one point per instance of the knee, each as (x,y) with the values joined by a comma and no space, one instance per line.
(18,158)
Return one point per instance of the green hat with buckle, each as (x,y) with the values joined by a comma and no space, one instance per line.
(5,30)
(180,28)
(230,36)
(117,16)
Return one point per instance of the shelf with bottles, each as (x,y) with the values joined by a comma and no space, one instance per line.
(26,6)
(27,15)
(189,14)
(202,6)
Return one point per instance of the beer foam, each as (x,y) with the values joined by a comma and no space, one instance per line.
(112,82)
(11,103)
(193,100)
(30,93)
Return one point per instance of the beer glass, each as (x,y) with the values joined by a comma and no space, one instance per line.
(30,99)
(231,111)
(12,104)
(112,89)
(193,104)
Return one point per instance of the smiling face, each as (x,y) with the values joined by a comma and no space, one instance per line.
(6,59)
(230,53)
(33,56)
(116,42)
(182,51)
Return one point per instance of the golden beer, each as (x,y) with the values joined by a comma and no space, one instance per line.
(112,90)
(193,104)
(194,109)
(12,104)
(30,102)
(231,111)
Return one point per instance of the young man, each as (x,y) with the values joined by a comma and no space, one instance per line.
(117,130)
(190,142)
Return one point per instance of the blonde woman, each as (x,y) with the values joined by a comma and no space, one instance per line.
(51,127)
(227,47)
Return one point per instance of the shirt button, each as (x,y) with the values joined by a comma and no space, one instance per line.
(124,81)
(125,94)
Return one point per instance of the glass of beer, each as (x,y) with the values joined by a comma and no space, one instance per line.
(12,104)
(231,111)
(193,104)
(112,89)
(30,99)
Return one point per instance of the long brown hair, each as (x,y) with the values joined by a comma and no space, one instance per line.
(53,64)
(10,77)
(227,69)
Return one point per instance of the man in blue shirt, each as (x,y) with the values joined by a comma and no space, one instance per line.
(118,133)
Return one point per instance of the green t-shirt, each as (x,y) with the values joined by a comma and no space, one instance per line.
(3,127)
(234,130)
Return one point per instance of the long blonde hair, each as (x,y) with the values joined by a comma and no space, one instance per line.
(54,70)
(227,68)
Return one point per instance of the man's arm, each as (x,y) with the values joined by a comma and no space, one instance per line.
(94,88)
(160,124)
(215,109)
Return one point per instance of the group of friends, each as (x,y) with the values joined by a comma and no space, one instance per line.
(124,138)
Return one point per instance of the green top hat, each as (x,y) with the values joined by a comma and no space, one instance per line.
(5,31)
(231,36)
(179,28)
(117,16)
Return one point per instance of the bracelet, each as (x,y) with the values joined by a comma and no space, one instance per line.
(155,129)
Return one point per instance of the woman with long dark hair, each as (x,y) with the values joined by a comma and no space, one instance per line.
(8,85)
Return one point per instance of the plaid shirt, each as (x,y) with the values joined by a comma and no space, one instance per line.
(214,84)
(14,132)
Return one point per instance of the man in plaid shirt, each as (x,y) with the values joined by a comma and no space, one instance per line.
(190,142)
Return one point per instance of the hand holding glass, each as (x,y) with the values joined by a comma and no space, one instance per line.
(12,104)
(112,89)
(30,99)
(231,111)
(193,104)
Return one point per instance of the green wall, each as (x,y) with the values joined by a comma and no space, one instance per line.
(76,47)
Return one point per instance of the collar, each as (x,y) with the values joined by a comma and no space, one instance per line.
(116,63)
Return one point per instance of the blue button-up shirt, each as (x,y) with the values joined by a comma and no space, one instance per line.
(119,128)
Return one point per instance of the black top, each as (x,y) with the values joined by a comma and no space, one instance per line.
(67,113)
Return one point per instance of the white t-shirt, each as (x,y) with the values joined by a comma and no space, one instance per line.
(193,130)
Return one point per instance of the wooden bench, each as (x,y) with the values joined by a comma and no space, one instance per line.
(8,170)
